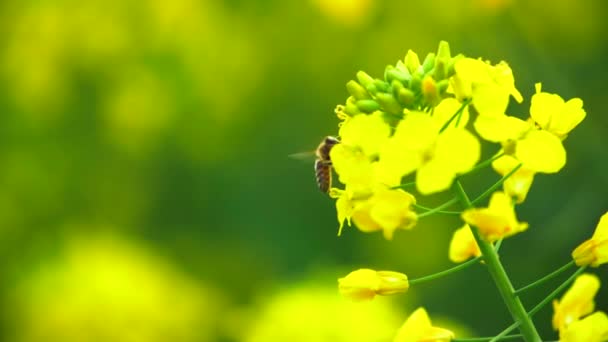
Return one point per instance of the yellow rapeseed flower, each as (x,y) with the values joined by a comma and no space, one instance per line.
(418,328)
(463,245)
(365,284)
(498,220)
(555,115)
(489,86)
(365,132)
(519,183)
(594,251)
(576,303)
(593,328)
(438,158)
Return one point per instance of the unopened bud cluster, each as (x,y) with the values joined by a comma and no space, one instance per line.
(409,84)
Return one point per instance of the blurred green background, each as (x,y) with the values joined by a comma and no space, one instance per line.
(145,188)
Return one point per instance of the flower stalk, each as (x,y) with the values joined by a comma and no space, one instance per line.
(499,275)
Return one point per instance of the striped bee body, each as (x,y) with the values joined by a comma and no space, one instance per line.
(323,163)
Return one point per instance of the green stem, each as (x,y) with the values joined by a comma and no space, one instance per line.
(505,332)
(445,272)
(486,339)
(556,291)
(545,278)
(498,273)
(495,186)
(439,208)
(484,164)
(447,212)
(457,114)
(545,301)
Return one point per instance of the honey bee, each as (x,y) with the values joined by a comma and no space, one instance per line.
(323,163)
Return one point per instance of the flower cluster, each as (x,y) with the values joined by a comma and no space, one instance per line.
(420,129)
(426,120)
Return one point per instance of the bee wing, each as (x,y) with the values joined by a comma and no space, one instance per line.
(304,156)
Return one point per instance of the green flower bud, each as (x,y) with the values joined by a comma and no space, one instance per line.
(388,103)
(381,85)
(351,109)
(372,89)
(411,61)
(416,82)
(364,79)
(356,90)
(440,71)
(429,62)
(444,50)
(367,106)
(396,74)
(451,71)
(406,97)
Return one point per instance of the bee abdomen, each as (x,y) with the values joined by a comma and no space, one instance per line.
(323,174)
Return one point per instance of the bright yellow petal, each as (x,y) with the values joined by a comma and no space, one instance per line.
(571,115)
(417,131)
(490,99)
(433,177)
(503,75)
(544,106)
(498,220)
(458,149)
(397,158)
(473,70)
(365,132)
(519,183)
(463,245)
(352,166)
(593,328)
(391,210)
(414,327)
(541,151)
(601,231)
(577,302)
(500,128)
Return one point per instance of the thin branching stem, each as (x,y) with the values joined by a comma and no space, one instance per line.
(545,278)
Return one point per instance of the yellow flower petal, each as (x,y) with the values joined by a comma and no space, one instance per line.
(352,166)
(418,328)
(576,303)
(433,177)
(500,128)
(541,151)
(417,131)
(490,99)
(365,284)
(593,328)
(459,149)
(594,252)
(497,221)
(365,132)
(463,245)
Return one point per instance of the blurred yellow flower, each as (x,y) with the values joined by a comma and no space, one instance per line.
(576,303)
(352,13)
(555,115)
(365,284)
(498,220)
(438,158)
(463,245)
(365,132)
(593,328)
(594,251)
(106,289)
(309,312)
(446,109)
(519,183)
(418,328)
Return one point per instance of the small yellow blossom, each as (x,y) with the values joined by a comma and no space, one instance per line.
(418,328)
(386,210)
(489,86)
(438,158)
(519,183)
(576,303)
(593,328)
(365,284)
(463,245)
(594,251)
(498,220)
(555,115)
